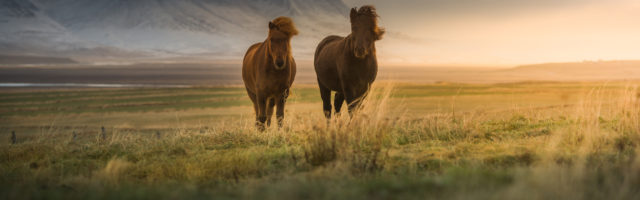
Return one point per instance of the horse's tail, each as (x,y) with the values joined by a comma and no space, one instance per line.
(324,42)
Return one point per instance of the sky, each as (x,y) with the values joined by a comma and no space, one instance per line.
(506,32)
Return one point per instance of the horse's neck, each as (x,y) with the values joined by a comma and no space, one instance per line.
(348,45)
(348,42)
(265,48)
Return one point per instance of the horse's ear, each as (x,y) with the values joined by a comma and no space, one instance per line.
(271,25)
(353,13)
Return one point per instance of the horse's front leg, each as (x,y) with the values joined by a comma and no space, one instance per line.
(280,111)
(338,101)
(280,108)
(354,103)
(351,97)
(261,116)
(354,99)
(325,94)
(270,104)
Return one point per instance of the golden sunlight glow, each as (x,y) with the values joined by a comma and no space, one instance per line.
(501,32)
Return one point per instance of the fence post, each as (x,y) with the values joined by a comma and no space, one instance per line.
(74,135)
(13,137)
(158,134)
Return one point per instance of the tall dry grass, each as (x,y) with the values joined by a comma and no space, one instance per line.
(594,157)
(585,151)
(358,139)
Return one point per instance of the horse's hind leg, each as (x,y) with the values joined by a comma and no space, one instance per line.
(338,101)
(252,96)
(325,94)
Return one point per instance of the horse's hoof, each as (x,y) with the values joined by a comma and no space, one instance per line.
(260,127)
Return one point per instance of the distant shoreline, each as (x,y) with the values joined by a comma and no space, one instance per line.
(87,85)
(33,60)
(216,74)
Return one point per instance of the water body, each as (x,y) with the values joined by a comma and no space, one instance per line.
(85,85)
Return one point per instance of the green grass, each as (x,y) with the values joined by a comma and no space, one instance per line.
(440,141)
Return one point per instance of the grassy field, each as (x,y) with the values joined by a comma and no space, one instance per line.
(530,140)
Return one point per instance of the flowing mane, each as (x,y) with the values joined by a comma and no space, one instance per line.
(285,25)
(370,12)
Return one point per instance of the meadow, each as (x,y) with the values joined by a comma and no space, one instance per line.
(526,140)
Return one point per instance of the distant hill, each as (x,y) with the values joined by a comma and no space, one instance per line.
(11,59)
(160,28)
(588,70)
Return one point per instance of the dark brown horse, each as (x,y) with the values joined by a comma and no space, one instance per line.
(348,65)
(268,71)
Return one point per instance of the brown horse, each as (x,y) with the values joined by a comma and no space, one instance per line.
(268,71)
(348,65)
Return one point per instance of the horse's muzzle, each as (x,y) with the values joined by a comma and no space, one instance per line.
(360,53)
(280,64)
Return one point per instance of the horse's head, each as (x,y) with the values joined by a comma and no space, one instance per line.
(281,30)
(364,30)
